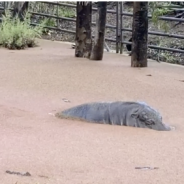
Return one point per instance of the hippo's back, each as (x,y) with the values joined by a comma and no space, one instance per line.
(93,112)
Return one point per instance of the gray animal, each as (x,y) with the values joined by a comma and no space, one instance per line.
(135,114)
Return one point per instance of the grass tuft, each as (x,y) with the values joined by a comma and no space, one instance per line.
(16,34)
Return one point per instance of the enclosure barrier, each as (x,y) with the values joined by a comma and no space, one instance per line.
(57,17)
(149,32)
(119,25)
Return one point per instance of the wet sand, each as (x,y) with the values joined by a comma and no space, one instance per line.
(33,84)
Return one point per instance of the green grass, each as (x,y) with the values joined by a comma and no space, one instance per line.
(50,22)
(66,12)
(15,34)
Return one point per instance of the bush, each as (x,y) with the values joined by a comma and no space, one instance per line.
(67,12)
(15,34)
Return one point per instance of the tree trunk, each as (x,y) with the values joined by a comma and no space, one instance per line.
(139,35)
(83,30)
(20,9)
(98,48)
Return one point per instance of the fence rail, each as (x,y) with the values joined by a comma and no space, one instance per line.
(57,17)
(151,32)
(119,27)
(158,33)
(73,6)
(160,18)
(159,48)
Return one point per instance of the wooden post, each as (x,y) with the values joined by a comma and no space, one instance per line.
(139,35)
(83,38)
(98,48)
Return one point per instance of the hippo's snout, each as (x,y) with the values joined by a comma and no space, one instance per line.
(165,127)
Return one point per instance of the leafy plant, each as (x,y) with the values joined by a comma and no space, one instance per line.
(66,12)
(16,34)
(162,8)
(50,22)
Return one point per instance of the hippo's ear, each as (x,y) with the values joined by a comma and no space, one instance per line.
(144,118)
(135,114)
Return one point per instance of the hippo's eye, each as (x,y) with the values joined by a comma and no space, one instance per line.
(150,122)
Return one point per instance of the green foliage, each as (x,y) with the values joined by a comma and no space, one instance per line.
(159,9)
(15,34)
(169,58)
(66,12)
(162,8)
(50,22)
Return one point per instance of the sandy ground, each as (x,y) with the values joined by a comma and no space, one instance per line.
(33,83)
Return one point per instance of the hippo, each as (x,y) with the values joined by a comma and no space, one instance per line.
(134,114)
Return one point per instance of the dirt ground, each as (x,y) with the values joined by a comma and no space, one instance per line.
(33,83)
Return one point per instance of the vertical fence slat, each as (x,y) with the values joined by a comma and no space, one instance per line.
(57,14)
(117,28)
(121,25)
(119,39)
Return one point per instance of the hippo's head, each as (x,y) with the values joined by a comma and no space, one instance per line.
(150,118)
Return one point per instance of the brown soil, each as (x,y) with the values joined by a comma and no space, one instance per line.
(56,151)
